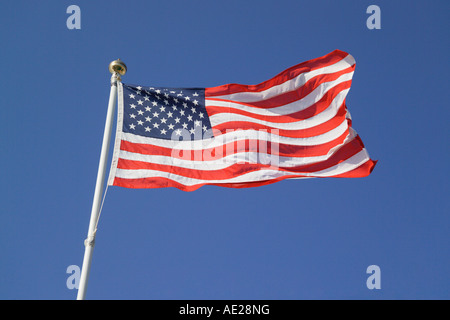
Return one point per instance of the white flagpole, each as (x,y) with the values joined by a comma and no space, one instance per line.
(117,68)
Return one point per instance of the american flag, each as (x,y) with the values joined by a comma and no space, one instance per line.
(295,125)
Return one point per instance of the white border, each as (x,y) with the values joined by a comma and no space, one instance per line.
(115,157)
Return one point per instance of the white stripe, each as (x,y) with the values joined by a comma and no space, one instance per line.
(260,175)
(220,163)
(316,120)
(204,160)
(296,106)
(289,85)
(348,165)
(237,136)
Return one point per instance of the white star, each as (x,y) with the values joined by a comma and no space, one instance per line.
(175,99)
(140,112)
(132,115)
(158,91)
(177,120)
(163,120)
(178,132)
(204,128)
(182,112)
(148,119)
(166,102)
(140,122)
(131,96)
(155,114)
(148,109)
(155,104)
(184,105)
(147,129)
(189,118)
(133,106)
(195,102)
(140,102)
(171,126)
(146,98)
(184,125)
(174,107)
(162,109)
(169,114)
(193,110)
(156,125)
(197,123)
(187,98)
(139,88)
(200,115)
(163,131)
(192,131)
(195,94)
(132,126)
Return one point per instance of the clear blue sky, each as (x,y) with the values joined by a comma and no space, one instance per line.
(296,239)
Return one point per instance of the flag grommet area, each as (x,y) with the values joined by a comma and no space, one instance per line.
(295,125)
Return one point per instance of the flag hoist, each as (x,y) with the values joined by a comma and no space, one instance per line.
(117,69)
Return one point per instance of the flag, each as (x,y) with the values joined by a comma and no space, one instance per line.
(295,125)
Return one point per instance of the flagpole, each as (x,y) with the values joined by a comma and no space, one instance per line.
(117,68)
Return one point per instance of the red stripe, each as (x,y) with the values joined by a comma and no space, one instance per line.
(362,171)
(166,183)
(235,170)
(295,95)
(282,77)
(157,182)
(285,150)
(309,112)
(342,154)
(300,133)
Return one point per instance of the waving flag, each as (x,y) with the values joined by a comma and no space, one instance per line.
(295,125)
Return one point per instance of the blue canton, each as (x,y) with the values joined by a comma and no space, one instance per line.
(165,113)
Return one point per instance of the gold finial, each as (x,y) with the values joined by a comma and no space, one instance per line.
(117,66)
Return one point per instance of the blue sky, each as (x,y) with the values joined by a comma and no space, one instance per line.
(297,239)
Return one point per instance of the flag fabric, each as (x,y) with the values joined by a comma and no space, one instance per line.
(295,125)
